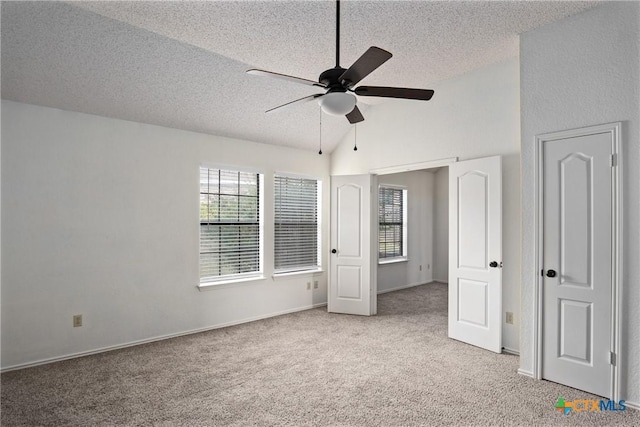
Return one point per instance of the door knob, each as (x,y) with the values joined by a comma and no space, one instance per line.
(493,264)
(333,251)
(551,273)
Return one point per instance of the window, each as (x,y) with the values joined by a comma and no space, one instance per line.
(392,219)
(296,224)
(230,222)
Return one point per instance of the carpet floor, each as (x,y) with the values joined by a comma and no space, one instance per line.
(302,369)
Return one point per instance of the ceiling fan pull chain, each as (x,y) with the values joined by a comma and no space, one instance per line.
(355,137)
(320,152)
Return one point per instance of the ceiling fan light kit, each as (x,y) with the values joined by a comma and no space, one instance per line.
(337,103)
(339,98)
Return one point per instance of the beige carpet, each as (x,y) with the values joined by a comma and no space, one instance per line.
(308,368)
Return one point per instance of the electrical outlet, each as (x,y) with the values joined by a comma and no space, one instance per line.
(509,317)
(420,267)
(315,284)
(77,320)
(428,266)
(308,286)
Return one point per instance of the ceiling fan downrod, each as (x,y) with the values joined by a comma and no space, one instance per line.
(331,77)
(337,33)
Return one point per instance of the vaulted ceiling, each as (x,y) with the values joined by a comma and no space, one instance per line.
(182,64)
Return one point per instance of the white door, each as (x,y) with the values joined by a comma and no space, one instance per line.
(352,278)
(475,252)
(577,264)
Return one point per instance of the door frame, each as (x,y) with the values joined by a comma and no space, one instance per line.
(374,173)
(414,166)
(614,129)
(410,167)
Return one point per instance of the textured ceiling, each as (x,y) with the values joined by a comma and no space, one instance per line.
(182,64)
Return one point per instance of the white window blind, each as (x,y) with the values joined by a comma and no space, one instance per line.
(296,224)
(391,218)
(229,223)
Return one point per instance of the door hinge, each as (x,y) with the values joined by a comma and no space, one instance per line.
(612,358)
(614,160)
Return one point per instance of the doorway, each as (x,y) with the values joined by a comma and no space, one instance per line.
(475,245)
(411,251)
(475,242)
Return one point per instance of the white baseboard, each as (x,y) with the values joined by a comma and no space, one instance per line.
(510,351)
(525,373)
(397,288)
(154,339)
(633,405)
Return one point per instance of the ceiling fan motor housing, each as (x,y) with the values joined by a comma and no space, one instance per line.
(331,79)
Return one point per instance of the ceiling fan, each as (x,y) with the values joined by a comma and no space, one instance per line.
(340,83)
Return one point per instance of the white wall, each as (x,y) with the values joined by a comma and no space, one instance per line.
(471,116)
(100,218)
(441,226)
(398,275)
(577,72)
(0,238)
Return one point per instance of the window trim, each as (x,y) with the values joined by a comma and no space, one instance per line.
(232,279)
(285,274)
(405,225)
(221,284)
(318,268)
(394,260)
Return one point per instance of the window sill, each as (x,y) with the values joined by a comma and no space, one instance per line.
(297,273)
(392,260)
(223,284)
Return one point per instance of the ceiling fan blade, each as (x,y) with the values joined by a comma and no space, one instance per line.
(355,116)
(305,99)
(256,72)
(369,61)
(395,92)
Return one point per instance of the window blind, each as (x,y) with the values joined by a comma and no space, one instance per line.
(390,216)
(229,223)
(296,223)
